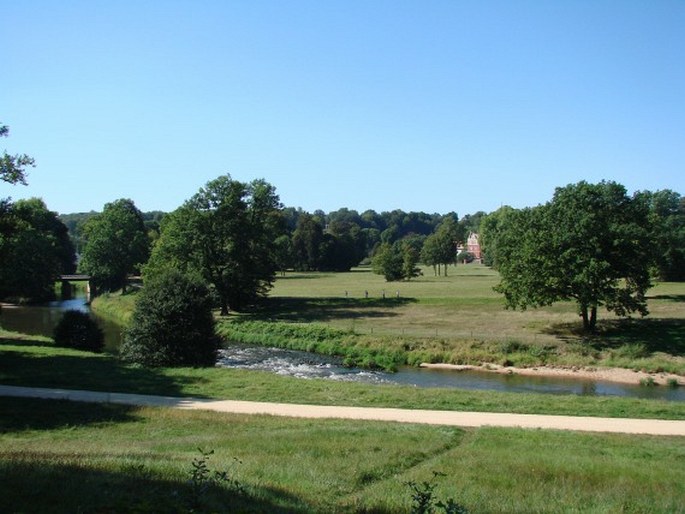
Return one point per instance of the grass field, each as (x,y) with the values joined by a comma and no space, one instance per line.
(62,457)
(457,319)
(68,457)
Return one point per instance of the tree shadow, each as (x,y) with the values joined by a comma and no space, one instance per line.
(22,414)
(295,309)
(669,297)
(656,334)
(88,372)
(79,487)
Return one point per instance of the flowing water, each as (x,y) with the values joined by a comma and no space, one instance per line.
(41,320)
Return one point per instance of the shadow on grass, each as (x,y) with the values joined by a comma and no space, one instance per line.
(657,335)
(326,309)
(669,297)
(79,487)
(20,414)
(85,372)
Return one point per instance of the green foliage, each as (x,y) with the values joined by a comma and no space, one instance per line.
(396,261)
(34,250)
(13,167)
(78,330)
(172,324)
(225,233)
(667,232)
(202,479)
(586,245)
(116,245)
(425,502)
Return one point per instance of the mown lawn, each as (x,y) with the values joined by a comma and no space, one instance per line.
(63,457)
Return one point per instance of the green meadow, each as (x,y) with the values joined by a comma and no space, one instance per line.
(69,457)
(456,319)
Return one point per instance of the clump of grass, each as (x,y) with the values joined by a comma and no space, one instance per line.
(632,351)
(647,382)
(672,383)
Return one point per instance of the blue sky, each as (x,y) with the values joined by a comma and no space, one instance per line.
(432,106)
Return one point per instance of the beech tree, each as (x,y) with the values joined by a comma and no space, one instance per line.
(116,245)
(587,245)
(226,234)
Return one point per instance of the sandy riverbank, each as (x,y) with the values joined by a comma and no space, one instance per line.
(620,375)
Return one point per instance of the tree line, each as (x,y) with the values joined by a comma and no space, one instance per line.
(592,243)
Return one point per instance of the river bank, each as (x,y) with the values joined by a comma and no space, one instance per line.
(617,375)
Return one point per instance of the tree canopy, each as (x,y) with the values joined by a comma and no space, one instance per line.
(35,250)
(587,245)
(226,234)
(116,245)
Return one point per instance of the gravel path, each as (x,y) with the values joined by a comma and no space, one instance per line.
(431,417)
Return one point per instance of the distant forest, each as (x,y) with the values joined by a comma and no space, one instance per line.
(330,241)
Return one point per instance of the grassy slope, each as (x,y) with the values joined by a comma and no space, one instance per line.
(69,457)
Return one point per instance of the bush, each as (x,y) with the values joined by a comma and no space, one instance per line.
(78,330)
(172,324)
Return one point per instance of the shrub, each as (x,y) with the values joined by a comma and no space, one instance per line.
(172,324)
(78,330)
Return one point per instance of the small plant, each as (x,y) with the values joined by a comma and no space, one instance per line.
(202,479)
(672,383)
(647,382)
(424,501)
(78,330)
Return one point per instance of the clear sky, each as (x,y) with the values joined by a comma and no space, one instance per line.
(422,105)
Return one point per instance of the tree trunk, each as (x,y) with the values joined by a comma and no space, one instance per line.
(586,320)
(593,318)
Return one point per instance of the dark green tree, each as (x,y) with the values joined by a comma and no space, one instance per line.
(489,230)
(116,245)
(307,242)
(667,232)
(172,324)
(226,234)
(13,167)
(396,261)
(586,245)
(34,251)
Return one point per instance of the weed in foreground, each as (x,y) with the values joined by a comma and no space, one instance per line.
(424,501)
(202,479)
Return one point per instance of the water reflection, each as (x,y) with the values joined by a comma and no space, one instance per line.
(42,319)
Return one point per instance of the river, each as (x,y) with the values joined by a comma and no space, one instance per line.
(41,320)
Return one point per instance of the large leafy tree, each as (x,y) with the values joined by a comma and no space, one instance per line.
(586,245)
(116,245)
(34,250)
(226,234)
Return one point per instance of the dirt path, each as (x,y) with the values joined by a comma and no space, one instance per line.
(431,417)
